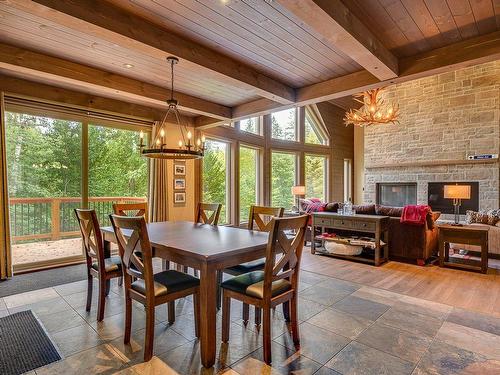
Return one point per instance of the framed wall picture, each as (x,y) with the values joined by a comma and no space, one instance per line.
(180,197)
(179,184)
(179,169)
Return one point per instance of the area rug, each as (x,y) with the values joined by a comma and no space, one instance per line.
(24,344)
(42,279)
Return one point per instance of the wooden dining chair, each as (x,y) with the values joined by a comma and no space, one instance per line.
(101,266)
(142,285)
(131,209)
(259,218)
(276,284)
(208,213)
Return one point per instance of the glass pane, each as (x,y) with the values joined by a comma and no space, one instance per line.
(310,132)
(284,124)
(215,180)
(282,179)
(248,180)
(315,171)
(44,177)
(250,125)
(117,172)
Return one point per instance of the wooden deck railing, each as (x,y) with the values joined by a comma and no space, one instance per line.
(33,219)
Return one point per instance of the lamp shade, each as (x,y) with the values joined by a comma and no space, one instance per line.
(457,191)
(299,190)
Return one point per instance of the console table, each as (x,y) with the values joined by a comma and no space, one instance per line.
(466,235)
(373,226)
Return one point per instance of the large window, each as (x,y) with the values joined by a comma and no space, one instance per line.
(315,173)
(249,181)
(215,176)
(314,130)
(284,124)
(283,178)
(55,165)
(250,125)
(117,172)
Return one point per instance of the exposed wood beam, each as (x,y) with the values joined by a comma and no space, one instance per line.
(59,95)
(64,72)
(334,21)
(470,52)
(112,23)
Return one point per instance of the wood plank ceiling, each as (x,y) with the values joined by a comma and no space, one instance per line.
(242,56)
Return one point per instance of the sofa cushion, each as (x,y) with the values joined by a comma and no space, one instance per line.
(332,207)
(482,217)
(388,210)
(364,209)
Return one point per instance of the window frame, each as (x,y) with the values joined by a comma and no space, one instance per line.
(297,171)
(326,171)
(258,176)
(39,109)
(298,138)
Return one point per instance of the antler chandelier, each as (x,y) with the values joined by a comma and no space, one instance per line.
(158,148)
(373,112)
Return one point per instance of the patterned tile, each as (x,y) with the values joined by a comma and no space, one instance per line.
(471,339)
(315,343)
(74,340)
(402,344)
(475,320)
(325,295)
(360,307)
(411,321)
(445,359)
(340,322)
(357,358)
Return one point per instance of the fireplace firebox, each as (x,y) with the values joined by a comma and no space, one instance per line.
(437,201)
(397,194)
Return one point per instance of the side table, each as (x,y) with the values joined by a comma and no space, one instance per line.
(468,235)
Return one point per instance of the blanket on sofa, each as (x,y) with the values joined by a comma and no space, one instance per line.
(415,214)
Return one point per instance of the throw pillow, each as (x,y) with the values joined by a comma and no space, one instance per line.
(482,217)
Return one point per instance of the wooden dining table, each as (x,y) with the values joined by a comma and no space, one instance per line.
(208,249)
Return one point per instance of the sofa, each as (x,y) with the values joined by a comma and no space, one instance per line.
(407,243)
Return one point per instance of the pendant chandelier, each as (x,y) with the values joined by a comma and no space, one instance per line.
(373,112)
(157,148)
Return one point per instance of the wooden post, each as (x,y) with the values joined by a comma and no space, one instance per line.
(56,221)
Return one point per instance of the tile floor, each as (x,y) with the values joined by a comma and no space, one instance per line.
(346,328)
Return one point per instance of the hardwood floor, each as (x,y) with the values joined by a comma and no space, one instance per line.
(469,290)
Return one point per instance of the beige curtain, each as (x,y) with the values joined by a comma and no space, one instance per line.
(158,187)
(5,250)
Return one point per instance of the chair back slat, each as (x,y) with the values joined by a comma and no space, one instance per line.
(208,213)
(91,236)
(132,236)
(260,217)
(131,209)
(284,251)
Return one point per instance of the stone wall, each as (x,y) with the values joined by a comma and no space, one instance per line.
(443,119)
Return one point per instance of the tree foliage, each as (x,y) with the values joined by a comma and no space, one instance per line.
(214,176)
(248,180)
(282,179)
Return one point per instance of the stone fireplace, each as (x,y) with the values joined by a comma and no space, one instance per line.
(444,119)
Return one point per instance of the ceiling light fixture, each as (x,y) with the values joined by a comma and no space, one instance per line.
(375,111)
(128,65)
(158,147)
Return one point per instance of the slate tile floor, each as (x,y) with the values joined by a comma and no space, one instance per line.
(346,328)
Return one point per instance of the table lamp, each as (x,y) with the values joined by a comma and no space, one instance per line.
(298,191)
(457,193)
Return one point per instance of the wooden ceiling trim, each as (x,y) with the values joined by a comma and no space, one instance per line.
(37,33)
(249,33)
(470,52)
(103,19)
(20,60)
(333,20)
(53,94)
(284,26)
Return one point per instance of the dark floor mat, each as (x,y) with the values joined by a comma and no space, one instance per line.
(24,344)
(42,279)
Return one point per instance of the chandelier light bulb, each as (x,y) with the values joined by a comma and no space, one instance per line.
(374,110)
(141,135)
(162,133)
(189,135)
(198,142)
(180,143)
(203,139)
(157,142)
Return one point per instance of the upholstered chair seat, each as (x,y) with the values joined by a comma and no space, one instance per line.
(110,264)
(166,282)
(252,284)
(254,265)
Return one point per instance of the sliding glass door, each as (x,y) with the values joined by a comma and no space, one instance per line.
(44,168)
(55,165)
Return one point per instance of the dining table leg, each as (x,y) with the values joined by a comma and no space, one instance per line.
(208,310)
